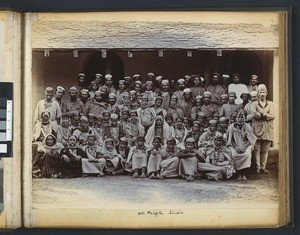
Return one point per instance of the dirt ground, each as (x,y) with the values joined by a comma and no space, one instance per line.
(121,192)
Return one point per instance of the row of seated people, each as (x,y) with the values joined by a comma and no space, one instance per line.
(163,152)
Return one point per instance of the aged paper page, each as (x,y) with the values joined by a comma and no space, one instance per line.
(10,71)
(59,46)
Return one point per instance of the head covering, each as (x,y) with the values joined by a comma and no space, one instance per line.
(190,140)
(149,82)
(73,88)
(124,110)
(158,78)
(254,76)
(123,139)
(207,93)
(133,111)
(112,95)
(224,96)
(132,92)
(45,112)
(73,137)
(261,87)
(84,91)
(98,92)
(174,97)
(49,90)
(218,135)
(157,137)
(245,93)
(127,77)
(231,93)
(201,114)
(196,122)
(60,88)
(253,93)
(81,75)
(99,117)
(222,119)
(84,119)
(181,80)
(187,76)
(108,76)
(198,97)
(121,82)
(114,116)
(158,97)
(138,82)
(212,122)
(165,82)
(150,74)
(171,139)
(187,90)
(99,75)
(225,76)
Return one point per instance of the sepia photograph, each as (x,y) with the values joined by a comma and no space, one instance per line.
(156,119)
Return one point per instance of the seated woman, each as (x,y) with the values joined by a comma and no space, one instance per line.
(112,158)
(93,164)
(137,158)
(217,164)
(189,158)
(154,161)
(122,149)
(159,128)
(49,154)
(241,140)
(71,165)
(170,160)
(40,131)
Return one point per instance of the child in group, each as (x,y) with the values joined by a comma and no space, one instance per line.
(93,164)
(153,166)
(195,131)
(134,128)
(64,130)
(92,119)
(71,166)
(75,120)
(223,126)
(50,157)
(230,107)
(99,129)
(149,93)
(113,160)
(123,150)
(106,118)
(113,131)
(189,158)
(94,87)
(137,158)
(165,94)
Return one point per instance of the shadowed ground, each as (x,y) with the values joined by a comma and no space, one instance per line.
(125,192)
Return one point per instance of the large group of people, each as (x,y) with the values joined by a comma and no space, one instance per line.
(153,127)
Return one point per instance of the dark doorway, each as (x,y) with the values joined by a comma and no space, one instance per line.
(112,64)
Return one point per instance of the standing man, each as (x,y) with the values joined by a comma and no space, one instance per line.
(48,104)
(238,88)
(59,93)
(72,105)
(216,89)
(253,83)
(262,123)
